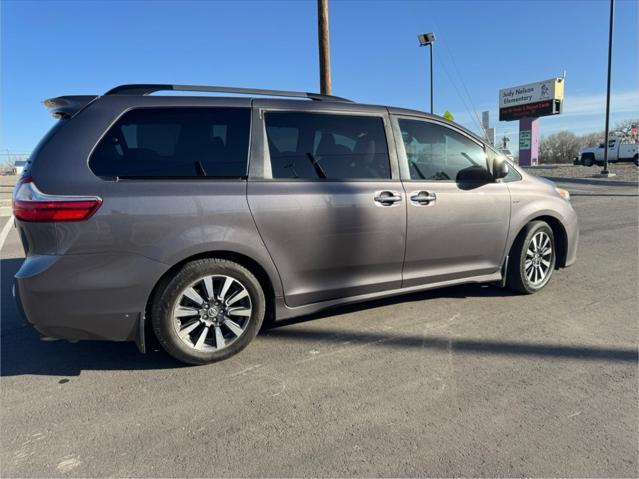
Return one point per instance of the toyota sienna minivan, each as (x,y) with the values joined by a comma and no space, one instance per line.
(198,217)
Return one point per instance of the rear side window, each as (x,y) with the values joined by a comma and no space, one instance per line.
(175,143)
(326,146)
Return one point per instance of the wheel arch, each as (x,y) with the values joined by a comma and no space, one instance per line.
(249,263)
(558,231)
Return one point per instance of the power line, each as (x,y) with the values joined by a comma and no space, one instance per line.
(461,79)
(472,111)
(452,81)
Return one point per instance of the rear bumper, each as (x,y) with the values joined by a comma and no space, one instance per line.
(96,296)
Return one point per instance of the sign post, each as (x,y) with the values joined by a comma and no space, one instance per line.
(527,103)
(529,141)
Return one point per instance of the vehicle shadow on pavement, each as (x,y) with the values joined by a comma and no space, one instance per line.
(458,345)
(23,351)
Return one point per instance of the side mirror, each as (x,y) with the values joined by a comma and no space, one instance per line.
(473,175)
(500,168)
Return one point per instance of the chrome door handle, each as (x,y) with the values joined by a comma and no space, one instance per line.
(387,198)
(423,197)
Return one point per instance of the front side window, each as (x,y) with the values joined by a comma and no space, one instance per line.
(513,174)
(175,143)
(326,146)
(435,152)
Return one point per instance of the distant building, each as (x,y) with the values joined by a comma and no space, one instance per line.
(19,166)
(12,163)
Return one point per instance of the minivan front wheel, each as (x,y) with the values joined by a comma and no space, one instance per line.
(208,311)
(532,258)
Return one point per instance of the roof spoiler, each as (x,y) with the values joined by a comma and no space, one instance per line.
(64,107)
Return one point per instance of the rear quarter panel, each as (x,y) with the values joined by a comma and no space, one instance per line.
(168,221)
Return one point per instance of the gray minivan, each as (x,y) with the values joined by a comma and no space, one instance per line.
(199,217)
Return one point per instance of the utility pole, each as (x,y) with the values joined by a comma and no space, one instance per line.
(324,47)
(605,171)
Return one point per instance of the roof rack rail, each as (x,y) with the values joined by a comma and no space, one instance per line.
(146,89)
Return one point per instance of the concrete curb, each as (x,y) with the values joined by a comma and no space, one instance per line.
(591,181)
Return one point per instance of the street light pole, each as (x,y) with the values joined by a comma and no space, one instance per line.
(431,78)
(612,16)
(427,39)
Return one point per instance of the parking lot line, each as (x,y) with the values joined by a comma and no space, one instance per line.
(5,231)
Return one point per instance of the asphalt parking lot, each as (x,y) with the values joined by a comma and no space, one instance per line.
(464,381)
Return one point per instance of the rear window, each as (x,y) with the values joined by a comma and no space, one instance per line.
(175,143)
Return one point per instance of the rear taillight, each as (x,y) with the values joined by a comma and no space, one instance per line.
(30,204)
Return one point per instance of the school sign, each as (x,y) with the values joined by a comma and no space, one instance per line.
(533,100)
(527,103)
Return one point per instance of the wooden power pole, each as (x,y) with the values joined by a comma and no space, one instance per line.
(324,47)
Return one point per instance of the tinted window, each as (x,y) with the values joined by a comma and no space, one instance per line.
(175,142)
(435,152)
(323,146)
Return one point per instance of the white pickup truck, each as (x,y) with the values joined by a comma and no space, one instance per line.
(618,151)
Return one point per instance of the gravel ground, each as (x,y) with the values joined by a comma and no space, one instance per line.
(624,171)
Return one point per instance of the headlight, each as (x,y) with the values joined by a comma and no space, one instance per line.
(563,193)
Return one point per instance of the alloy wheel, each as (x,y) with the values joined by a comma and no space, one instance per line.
(539,257)
(212,313)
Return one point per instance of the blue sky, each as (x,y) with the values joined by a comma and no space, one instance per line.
(52,48)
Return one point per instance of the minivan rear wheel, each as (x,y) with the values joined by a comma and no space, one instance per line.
(208,311)
(532,258)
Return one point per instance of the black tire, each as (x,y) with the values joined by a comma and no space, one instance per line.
(171,291)
(516,276)
(588,160)
(635,160)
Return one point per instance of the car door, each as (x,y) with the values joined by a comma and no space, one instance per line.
(325,193)
(613,151)
(457,216)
